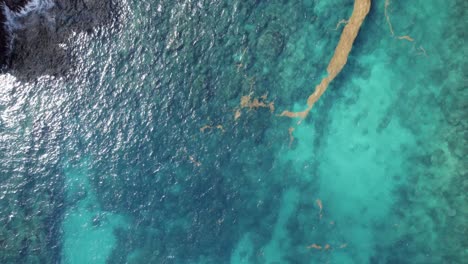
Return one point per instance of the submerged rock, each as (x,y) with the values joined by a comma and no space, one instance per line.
(452,212)
(438,157)
(270,44)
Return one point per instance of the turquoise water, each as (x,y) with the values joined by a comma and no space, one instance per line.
(108,162)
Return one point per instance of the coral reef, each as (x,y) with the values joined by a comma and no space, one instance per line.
(270,44)
(385,154)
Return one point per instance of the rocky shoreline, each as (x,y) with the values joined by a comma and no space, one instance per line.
(4,36)
(14,6)
(33,33)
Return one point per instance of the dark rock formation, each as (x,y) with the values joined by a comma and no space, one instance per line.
(40,35)
(5,34)
(16,5)
(4,37)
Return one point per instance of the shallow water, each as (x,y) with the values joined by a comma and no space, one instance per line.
(105,156)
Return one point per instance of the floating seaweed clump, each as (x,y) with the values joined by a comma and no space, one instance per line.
(253,104)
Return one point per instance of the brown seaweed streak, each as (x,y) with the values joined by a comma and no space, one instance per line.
(389,22)
(387,4)
(340,57)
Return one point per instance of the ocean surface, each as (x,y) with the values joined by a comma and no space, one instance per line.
(150,132)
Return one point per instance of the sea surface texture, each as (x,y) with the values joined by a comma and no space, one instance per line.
(152,132)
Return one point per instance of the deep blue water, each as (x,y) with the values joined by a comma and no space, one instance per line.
(123,138)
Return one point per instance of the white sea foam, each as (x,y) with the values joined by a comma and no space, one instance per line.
(38,6)
(34,6)
(15,20)
(7,26)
